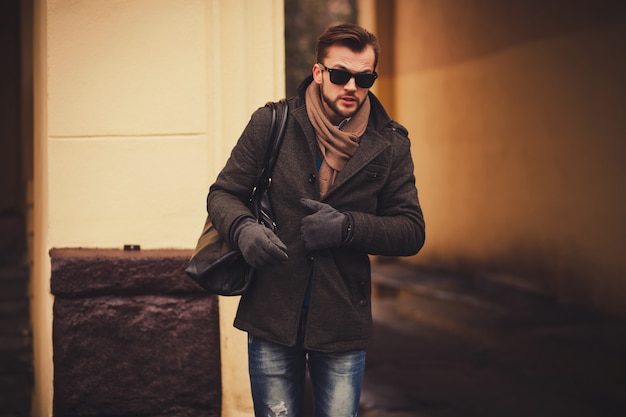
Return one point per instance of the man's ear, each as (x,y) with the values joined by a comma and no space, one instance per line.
(317,74)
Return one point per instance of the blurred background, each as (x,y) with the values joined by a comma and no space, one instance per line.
(117,116)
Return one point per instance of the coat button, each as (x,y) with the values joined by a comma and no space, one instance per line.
(310,257)
(312,178)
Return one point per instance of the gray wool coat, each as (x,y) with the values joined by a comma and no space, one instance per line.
(377,187)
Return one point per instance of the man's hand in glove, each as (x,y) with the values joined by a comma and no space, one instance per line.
(325,228)
(258,244)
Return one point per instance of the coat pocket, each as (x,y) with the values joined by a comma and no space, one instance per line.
(354,267)
(375,172)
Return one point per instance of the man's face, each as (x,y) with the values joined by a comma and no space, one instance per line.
(342,101)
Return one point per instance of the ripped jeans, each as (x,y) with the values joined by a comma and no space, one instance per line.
(277,378)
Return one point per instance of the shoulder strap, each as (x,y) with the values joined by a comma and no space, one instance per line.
(280,110)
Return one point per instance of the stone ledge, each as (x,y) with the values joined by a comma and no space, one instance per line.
(97,272)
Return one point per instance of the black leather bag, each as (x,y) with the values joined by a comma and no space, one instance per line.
(215,265)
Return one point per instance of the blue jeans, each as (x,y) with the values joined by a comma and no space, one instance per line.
(277,378)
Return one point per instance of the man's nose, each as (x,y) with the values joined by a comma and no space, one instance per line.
(351,84)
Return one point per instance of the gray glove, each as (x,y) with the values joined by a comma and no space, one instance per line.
(325,228)
(258,244)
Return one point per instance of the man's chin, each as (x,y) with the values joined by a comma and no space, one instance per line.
(341,110)
(348,112)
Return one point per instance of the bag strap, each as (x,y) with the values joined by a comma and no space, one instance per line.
(280,111)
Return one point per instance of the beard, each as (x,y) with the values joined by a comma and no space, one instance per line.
(332,104)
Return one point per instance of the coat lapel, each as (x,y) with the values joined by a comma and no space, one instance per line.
(370,146)
(302,117)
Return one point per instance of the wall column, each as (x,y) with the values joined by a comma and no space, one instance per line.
(246,68)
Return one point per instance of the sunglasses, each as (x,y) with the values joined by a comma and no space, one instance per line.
(341,77)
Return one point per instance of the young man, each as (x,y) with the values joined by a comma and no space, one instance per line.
(343,188)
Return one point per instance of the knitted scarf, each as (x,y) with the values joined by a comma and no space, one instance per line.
(336,146)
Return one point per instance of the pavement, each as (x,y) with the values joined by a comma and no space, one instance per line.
(449,345)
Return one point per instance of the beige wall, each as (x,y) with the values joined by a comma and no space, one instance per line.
(145,99)
(516,113)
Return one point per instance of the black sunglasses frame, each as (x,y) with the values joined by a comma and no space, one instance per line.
(341,77)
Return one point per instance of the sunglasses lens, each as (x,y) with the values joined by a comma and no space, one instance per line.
(365,80)
(341,77)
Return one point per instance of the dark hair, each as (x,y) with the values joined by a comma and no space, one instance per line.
(347,34)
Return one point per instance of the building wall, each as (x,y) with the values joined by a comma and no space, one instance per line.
(138,105)
(516,112)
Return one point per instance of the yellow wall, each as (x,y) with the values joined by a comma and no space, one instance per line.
(145,99)
(517,118)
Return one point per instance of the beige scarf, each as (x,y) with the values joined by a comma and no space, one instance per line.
(336,146)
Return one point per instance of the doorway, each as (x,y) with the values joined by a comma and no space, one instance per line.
(16,174)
